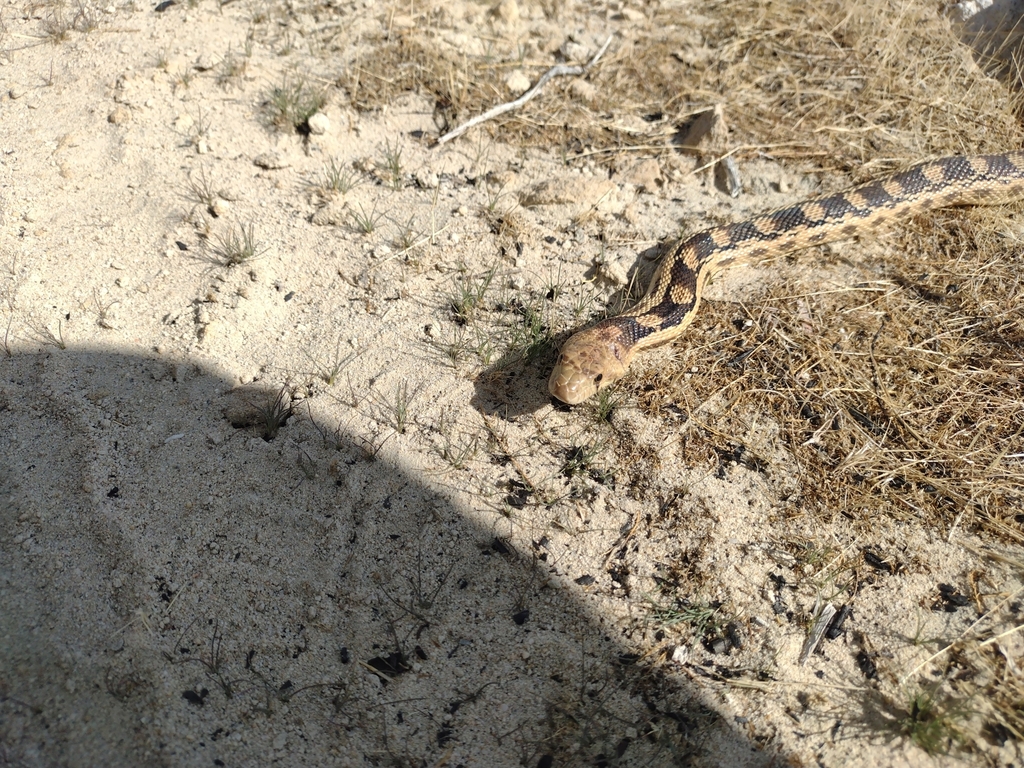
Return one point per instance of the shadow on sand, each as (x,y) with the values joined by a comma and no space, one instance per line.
(175,591)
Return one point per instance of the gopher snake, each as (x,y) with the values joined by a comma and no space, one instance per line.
(594,358)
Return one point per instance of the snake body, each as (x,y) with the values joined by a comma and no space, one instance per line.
(597,356)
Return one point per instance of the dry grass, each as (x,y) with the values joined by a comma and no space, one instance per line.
(907,388)
(854,86)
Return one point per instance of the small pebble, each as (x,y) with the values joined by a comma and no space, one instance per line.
(319,124)
(120,115)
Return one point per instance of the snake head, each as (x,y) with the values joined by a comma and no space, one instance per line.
(589,362)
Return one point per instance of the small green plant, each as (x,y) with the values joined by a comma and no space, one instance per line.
(397,408)
(456,449)
(705,619)
(583,302)
(200,188)
(238,245)
(274,414)
(530,339)
(104,311)
(44,335)
(9,336)
(933,725)
(200,127)
(393,164)
(459,451)
(607,401)
(455,349)
(62,20)
(408,235)
(554,285)
(469,293)
(184,79)
(329,370)
(233,67)
(583,460)
(494,194)
(362,222)
(337,178)
(484,347)
(306,464)
(294,102)
(213,661)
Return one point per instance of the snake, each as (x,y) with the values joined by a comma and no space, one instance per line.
(600,355)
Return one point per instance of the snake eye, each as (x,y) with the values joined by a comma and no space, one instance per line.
(597,379)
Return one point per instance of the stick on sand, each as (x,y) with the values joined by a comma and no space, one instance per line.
(501,109)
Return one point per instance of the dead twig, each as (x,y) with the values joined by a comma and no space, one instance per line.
(559,71)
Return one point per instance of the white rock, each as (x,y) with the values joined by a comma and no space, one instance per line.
(319,124)
(427,179)
(575,51)
(518,83)
(681,654)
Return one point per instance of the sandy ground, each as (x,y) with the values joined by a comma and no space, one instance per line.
(412,571)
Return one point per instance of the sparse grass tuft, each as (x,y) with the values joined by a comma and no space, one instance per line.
(200,189)
(468,293)
(337,178)
(932,724)
(238,246)
(64,19)
(274,414)
(294,102)
(328,370)
(396,409)
(456,449)
(408,236)
(583,460)
(233,67)
(363,222)
(529,339)
(393,164)
(607,401)
(44,335)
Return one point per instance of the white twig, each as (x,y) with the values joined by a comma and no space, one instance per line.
(560,71)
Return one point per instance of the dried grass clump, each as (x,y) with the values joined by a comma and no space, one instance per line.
(861,86)
(852,85)
(900,395)
(901,392)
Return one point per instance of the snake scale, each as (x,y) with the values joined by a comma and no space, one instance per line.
(598,356)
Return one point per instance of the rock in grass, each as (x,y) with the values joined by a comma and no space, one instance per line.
(319,124)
